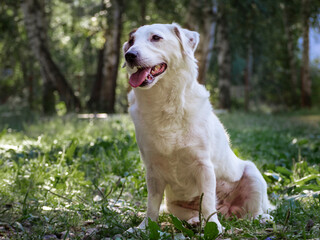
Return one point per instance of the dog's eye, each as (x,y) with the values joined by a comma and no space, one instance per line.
(156,38)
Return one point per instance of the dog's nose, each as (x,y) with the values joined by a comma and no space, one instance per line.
(131,56)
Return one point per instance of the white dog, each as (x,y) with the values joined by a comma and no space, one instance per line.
(184,146)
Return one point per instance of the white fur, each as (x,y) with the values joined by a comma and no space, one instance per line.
(184,146)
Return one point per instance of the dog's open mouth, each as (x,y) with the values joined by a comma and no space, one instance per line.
(146,75)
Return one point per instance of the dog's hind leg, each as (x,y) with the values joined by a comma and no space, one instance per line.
(258,204)
(246,197)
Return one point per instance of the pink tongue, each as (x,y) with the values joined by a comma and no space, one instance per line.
(137,78)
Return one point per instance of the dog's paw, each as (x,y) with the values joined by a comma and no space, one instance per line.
(131,230)
(221,229)
(134,230)
(264,218)
(194,221)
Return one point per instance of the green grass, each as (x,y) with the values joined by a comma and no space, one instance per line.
(67,177)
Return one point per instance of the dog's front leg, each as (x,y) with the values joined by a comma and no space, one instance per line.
(155,186)
(206,180)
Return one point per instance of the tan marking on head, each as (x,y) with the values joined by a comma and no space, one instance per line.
(132,32)
(177,32)
(131,38)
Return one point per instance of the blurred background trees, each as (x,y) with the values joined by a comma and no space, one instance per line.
(65,55)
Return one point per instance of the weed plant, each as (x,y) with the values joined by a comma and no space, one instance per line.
(69,178)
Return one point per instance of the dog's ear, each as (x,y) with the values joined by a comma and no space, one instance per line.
(128,44)
(189,40)
(125,48)
(193,38)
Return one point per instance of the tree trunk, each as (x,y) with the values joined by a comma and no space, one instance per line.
(224,60)
(53,73)
(201,17)
(206,47)
(292,62)
(305,77)
(143,10)
(48,99)
(111,57)
(28,79)
(35,23)
(94,101)
(247,77)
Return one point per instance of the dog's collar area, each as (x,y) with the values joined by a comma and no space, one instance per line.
(146,75)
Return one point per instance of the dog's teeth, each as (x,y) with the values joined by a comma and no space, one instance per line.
(149,77)
(155,69)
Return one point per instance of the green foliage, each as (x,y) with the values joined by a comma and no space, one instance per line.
(178,225)
(76,32)
(211,231)
(154,230)
(85,178)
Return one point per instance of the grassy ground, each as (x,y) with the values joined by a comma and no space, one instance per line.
(66,178)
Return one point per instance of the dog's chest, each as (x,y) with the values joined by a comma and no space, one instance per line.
(164,137)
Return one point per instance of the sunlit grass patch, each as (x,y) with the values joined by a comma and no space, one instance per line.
(84,178)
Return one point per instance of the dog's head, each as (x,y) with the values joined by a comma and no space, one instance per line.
(152,51)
